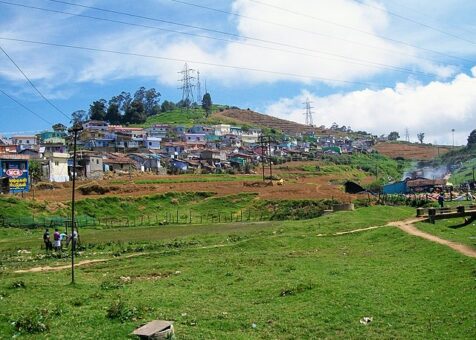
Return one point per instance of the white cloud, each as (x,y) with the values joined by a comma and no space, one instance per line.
(434,109)
(316,54)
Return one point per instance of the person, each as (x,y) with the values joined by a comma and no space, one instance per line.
(75,238)
(441,199)
(57,239)
(46,240)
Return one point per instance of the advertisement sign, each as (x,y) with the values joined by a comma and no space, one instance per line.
(17,176)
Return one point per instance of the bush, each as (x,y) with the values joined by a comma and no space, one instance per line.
(35,321)
(118,310)
(18,284)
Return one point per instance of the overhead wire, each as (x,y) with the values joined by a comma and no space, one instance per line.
(25,107)
(355,29)
(240,36)
(243,68)
(31,83)
(328,55)
(402,17)
(278,24)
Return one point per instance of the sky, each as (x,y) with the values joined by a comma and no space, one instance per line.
(377,66)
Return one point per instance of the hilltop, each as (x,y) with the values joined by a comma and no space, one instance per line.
(417,152)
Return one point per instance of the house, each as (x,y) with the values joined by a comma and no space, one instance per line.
(200,129)
(146,161)
(213,156)
(158,130)
(174,149)
(97,125)
(88,165)
(117,162)
(14,173)
(193,138)
(25,142)
(6,146)
(56,169)
(222,129)
(395,188)
(250,136)
(152,143)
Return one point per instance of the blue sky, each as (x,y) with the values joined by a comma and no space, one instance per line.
(364,64)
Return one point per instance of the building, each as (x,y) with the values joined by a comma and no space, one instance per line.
(56,168)
(14,173)
(25,142)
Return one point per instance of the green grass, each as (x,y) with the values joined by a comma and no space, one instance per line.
(281,277)
(182,117)
(452,230)
(465,173)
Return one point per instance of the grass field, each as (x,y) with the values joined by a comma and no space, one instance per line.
(263,280)
(452,230)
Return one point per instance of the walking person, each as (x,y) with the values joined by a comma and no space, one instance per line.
(47,241)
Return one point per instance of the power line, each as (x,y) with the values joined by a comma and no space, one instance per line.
(308,113)
(396,15)
(25,107)
(355,29)
(330,55)
(243,68)
(187,86)
(392,51)
(31,83)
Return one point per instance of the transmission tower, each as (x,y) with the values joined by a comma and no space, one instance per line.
(199,87)
(187,86)
(407,135)
(308,113)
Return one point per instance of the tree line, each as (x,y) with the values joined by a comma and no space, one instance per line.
(132,109)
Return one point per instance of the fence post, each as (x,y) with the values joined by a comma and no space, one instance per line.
(177,216)
(241,215)
(190,216)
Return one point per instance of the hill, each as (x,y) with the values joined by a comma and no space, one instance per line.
(417,152)
(253,118)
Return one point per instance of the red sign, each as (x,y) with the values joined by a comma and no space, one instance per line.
(14,173)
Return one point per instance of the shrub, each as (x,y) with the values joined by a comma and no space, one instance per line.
(118,310)
(18,284)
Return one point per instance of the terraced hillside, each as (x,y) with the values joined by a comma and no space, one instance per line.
(258,119)
(411,151)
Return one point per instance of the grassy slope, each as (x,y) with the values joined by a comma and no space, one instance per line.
(446,229)
(411,287)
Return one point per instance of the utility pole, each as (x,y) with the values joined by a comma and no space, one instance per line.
(261,139)
(269,159)
(199,87)
(453,132)
(75,129)
(187,86)
(308,113)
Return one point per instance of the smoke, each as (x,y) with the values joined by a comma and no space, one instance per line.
(428,172)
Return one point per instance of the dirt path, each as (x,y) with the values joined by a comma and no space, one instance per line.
(88,262)
(408,227)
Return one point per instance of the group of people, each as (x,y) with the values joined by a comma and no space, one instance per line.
(59,239)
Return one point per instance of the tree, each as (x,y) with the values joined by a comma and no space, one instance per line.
(79,117)
(58,127)
(207,103)
(472,139)
(34,167)
(97,110)
(421,136)
(113,116)
(167,106)
(394,135)
(135,114)
(151,102)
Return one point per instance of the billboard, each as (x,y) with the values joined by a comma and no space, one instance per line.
(17,173)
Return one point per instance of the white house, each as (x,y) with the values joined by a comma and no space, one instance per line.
(57,166)
(222,129)
(152,143)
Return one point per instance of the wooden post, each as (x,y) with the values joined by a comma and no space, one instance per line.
(177,216)
(190,216)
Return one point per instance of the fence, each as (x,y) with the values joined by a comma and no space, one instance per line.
(166,217)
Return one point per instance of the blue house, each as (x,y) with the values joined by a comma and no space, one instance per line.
(395,188)
(14,170)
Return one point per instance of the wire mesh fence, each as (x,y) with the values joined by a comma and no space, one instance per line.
(167,217)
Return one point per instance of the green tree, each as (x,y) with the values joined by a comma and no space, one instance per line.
(97,110)
(421,137)
(167,106)
(135,114)
(394,135)
(58,127)
(113,116)
(79,117)
(207,103)
(472,139)
(35,170)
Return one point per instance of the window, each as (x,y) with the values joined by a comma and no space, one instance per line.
(27,141)
(97,161)
(150,143)
(56,163)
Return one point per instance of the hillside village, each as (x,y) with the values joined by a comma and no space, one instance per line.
(163,148)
